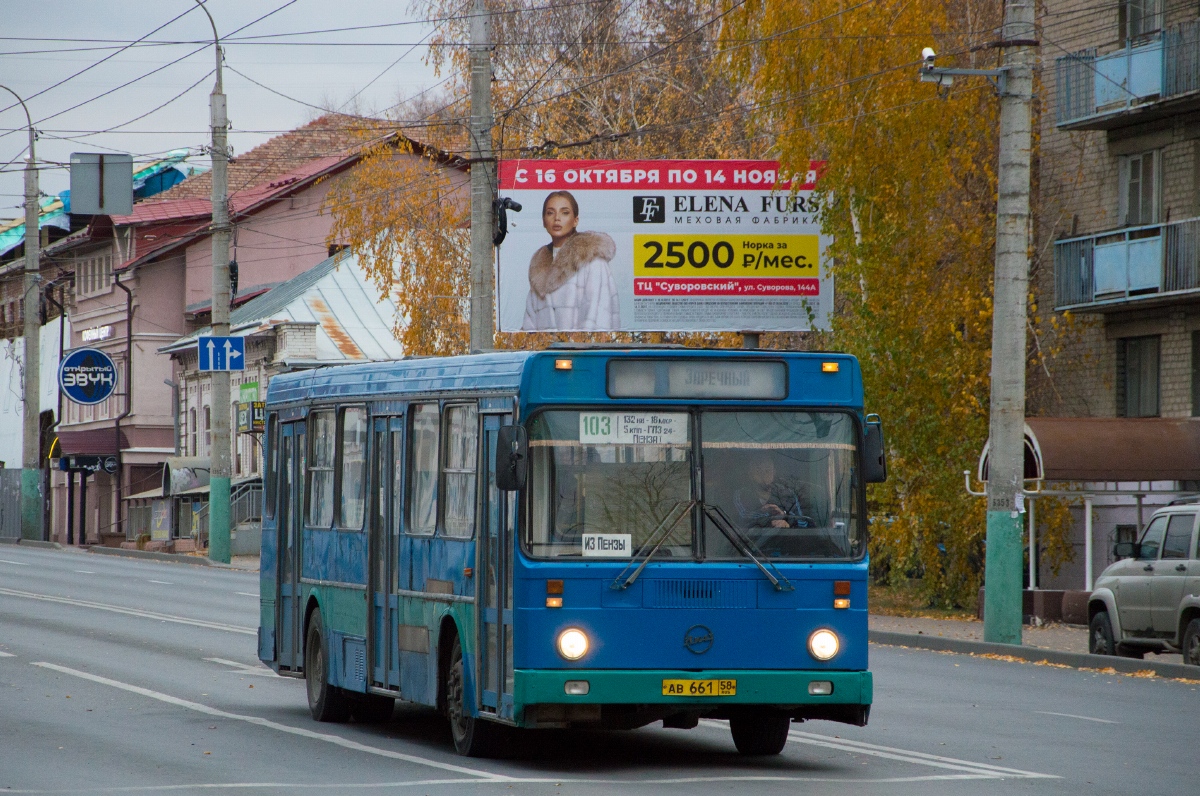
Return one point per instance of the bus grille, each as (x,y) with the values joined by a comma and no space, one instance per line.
(700,594)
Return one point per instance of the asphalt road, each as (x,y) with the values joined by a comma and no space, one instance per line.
(125,676)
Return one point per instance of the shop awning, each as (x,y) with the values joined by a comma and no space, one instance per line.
(96,442)
(1098,449)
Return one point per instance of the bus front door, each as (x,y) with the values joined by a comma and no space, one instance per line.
(290,511)
(495,598)
(384,548)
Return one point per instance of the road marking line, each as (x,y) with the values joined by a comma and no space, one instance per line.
(246,668)
(261,722)
(163,582)
(118,609)
(977,770)
(245,594)
(1073,716)
(375,786)
(7,655)
(14,563)
(915,757)
(86,571)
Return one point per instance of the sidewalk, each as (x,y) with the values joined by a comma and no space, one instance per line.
(1066,644)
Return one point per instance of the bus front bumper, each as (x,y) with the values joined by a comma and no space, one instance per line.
(546,697)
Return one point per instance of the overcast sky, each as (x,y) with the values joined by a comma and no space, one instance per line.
(319,69)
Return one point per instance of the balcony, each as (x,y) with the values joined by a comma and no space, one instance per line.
(1149,79)
(1120,268)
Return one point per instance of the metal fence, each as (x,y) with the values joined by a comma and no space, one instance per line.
(1120,264)
(1161,67)
(10,504)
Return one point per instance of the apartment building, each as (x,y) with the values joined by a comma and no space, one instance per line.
(1118,251)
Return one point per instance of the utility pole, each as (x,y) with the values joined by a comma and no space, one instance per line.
(31,438)
(483,171)
(219,464)
(1002,612)
(1006,467)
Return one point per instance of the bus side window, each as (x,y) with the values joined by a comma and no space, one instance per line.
(321,433)
(352,451)
(272,466)
(423,459)
(462,447)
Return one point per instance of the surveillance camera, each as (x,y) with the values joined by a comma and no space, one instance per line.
(928,55)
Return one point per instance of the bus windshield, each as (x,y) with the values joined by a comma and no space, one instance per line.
(602,482)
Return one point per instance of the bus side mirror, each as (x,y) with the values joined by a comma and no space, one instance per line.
(874,459)
(512,458)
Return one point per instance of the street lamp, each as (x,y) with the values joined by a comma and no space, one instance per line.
(31,479)
(221,471)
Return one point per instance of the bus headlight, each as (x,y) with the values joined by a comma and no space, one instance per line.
(572,644)
(823,644)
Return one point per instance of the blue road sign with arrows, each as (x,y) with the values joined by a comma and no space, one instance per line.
(222,353)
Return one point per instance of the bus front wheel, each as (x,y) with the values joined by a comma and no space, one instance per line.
(760,733)
(325,701)
(472,737)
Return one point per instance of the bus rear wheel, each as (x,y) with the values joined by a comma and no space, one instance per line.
(472,737)
(760,733)
(326,702)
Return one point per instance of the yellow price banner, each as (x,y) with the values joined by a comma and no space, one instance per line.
(732,254)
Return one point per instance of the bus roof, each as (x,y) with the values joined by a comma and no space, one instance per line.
(534,376)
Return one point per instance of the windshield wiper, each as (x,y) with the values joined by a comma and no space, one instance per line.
(745,546)
(660,533)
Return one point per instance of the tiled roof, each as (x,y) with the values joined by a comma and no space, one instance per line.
(331,135)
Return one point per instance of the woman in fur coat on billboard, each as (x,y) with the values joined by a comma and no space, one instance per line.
(571,288)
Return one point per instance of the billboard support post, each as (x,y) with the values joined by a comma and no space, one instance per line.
(483,183)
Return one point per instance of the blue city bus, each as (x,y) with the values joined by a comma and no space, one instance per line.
(577,537)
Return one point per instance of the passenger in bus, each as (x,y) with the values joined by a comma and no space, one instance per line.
(571,287)
(767,502)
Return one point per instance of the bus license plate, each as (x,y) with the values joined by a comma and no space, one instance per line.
(699,688)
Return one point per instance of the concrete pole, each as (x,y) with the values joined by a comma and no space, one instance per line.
(1033,556)
(220,470)
(31,371)
(1087,542)
(483,180)
(1002,595)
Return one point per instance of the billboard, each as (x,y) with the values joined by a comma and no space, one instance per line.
(660,245)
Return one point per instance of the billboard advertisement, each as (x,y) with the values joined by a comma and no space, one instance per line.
(660,245)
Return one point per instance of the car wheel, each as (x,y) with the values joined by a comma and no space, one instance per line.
(372,708)
(472,737)
(760,733)
(1191,643)
(326,702)
(1100,635)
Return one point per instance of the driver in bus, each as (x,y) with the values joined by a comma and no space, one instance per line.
(758,503)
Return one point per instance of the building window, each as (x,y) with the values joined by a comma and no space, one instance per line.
(423,488)
(1195,374)
(1140,18)
(1137,377)
(93,275)
(208,430)
(192,432)
(1139,189)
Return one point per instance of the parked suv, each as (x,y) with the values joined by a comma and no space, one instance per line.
(1149,600)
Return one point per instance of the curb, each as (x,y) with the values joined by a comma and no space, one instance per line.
(151,555)
(1077,660)
(33,543)
(40,544)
